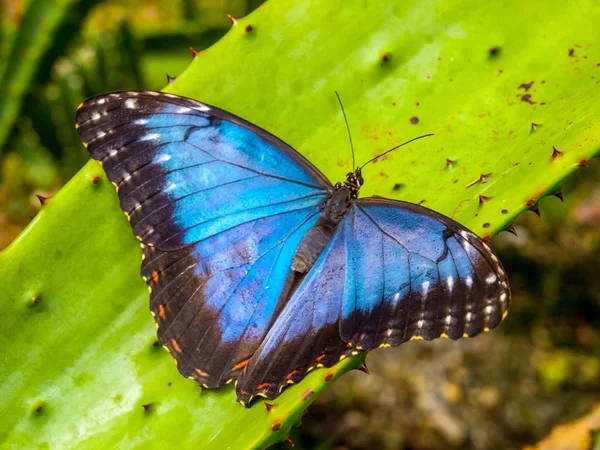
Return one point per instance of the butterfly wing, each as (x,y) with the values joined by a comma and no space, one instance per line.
(219,205)
(414,273)
(391,272)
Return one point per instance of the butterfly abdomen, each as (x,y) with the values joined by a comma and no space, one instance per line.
(334,209)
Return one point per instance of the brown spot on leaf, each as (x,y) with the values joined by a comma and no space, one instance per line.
(527,98)
(414,120)
(147,407)
(571,52)
(385,58)
(486,225)
(583,163)
(449,163)
(96,180)
(483,200)
(329,377)
(494,51)
(530,202)
(526,86)
(249,28)
(276,426)
(307,393)
(397,186)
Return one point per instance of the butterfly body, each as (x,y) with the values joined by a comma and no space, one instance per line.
(260,269)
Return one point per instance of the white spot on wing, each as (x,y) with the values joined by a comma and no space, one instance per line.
(489,309)
(420,323)
(112,153)
(140,122)
(503,297)
(491,278)
(163,157)
(171,187)
(425,287)
(130,103)
(95,116)
(469,316)
(469,282)
(202,108)
(450,282)
(100,135)
(101,101)
(151,137)
(183,109)
(448,319)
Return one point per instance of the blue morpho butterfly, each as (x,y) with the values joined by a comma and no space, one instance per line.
(260,269)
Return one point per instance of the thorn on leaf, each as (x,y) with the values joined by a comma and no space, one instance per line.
(483,200)
(556,153)
(234,21)
(43,200)
(269,406)
(583,163)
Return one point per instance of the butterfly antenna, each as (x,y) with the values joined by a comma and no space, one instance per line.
(397,146)
(347,127)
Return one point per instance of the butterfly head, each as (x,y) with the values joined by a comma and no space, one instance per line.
(354,181)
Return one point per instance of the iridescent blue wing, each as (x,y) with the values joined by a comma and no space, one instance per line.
(414,273)
(391,272)
(219,205)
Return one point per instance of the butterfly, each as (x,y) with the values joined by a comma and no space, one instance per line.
(259,268)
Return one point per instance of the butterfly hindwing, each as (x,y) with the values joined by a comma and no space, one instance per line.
(392,271)
(413,273)
(219,206)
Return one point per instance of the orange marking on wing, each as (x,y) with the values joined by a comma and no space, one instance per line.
(290,375)
(161,312)
(201,373)
(320,358)
(155,276)
(261,386)
(242,365)
(175,345)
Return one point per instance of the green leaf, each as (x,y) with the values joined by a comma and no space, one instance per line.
(77,339)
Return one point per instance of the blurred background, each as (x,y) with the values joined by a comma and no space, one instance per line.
(505,390)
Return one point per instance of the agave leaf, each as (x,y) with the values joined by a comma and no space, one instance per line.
(77,339)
